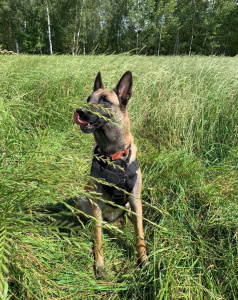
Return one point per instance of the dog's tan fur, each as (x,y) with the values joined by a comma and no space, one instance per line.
(112,139)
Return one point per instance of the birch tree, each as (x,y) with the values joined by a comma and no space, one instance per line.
(153,27)
(79,7)
(49,27)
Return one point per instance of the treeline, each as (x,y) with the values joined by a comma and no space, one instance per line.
(153,27)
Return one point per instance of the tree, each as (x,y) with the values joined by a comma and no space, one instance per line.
(151,27)
(49,27)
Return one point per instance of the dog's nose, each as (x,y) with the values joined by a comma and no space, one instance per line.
(82,112)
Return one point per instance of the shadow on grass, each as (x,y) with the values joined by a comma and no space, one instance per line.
(61,213)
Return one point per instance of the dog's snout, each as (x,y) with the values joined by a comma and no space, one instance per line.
(82,112)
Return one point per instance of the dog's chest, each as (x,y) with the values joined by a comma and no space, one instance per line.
(119,176)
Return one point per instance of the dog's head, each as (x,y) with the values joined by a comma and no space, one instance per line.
(104,105)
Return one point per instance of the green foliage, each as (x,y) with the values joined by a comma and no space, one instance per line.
(184,118)
(152,27)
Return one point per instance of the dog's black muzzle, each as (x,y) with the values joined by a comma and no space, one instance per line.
(89,121)
(86,115)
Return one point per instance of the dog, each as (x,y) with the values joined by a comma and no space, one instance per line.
(107,118)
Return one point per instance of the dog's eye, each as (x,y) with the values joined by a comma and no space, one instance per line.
(104,100)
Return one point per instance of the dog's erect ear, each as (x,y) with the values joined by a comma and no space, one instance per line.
(98,82)
(123,89)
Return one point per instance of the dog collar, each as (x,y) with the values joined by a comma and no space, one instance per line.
(114,156)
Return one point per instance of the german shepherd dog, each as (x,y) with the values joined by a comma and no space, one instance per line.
(108,119)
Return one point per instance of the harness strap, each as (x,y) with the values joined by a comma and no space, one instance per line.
(114,156)
(121,174)
(98,171)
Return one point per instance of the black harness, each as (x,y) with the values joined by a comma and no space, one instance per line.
(119,173)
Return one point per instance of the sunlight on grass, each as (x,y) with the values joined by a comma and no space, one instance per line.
(184,118)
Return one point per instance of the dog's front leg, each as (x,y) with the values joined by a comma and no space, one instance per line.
(136,207)
(97,249)
(137,220)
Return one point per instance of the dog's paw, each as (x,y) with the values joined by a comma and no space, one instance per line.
(146,263)
(143,262)
(100,272)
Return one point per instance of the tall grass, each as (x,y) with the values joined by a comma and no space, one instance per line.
(184,119)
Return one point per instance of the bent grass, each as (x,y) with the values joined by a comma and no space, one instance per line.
(184,118)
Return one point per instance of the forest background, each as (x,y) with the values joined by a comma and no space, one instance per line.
(184,112)
(152,27)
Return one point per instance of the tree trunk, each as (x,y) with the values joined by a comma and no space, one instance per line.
(17,45)
(75,28)
(84,48)
(160,37)
(191,43)
(205,39)
(77,40)
(79,28)
(49,28)
(137,28)
(39,42)
(192,34)
(74,41)
(137,40)
(176,45)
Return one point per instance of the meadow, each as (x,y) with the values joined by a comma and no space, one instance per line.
(184,117)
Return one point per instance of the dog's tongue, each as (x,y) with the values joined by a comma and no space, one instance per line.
(78,121)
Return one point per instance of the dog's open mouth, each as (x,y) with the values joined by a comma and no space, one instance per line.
(79,121)
(86,126)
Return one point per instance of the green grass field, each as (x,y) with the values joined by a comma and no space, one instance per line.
(184,116)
